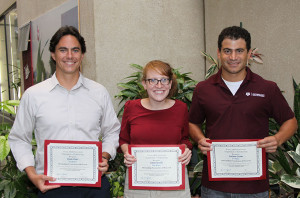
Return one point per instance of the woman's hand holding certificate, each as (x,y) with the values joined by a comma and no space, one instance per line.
(157,167)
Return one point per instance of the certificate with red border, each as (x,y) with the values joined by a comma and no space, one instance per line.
(157,167)
(237,159)
(73,163)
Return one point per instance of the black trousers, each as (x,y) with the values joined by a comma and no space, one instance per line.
(79,192)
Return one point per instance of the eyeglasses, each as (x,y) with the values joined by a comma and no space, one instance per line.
(163,81)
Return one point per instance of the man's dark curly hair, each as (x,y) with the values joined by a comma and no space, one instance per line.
(63,31)
(235,33)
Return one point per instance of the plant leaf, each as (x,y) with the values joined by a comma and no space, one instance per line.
(3,183)
(121,193)
(298,149)
(128,93)
(210,58)
(137,66)
(191,83)
(189,96)
(211,70)
(294,84)
(131,86)
(13,102)
(286,187)
(297,105)
(10,191)
(292,181)
(135,76)
(9,109)
(120,113)
(4,148)
(116,187)
(294,156)
(282,159)
(274,166)
(273,181)
(198,168)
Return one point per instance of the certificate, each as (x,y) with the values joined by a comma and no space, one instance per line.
(157,167)
(73,163)
(236,160)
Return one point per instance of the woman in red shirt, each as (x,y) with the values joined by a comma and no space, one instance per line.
(158,120)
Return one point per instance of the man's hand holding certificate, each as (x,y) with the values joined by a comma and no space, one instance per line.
(156,167)
(236,160)
(73,163)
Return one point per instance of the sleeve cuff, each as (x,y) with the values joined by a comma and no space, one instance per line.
(25,162)
(109,149)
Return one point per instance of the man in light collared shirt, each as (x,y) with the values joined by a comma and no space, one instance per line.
(66,106)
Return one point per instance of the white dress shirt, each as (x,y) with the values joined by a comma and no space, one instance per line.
(84,113)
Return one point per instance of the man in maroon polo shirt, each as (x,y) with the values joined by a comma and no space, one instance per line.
(237,104)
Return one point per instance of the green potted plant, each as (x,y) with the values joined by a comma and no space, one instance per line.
(116,176)
(13,183)
(285,163)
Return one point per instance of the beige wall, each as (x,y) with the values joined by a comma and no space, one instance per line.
(5,4)
(137,31)
(87,29)
(275,29)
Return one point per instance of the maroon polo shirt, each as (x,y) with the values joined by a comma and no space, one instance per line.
(242,116)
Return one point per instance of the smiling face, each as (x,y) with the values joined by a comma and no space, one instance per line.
(158,92)
(68,56)
(233,57)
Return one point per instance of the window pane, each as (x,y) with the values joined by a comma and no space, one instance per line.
(4,95)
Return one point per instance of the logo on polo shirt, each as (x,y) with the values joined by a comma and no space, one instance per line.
(255,94)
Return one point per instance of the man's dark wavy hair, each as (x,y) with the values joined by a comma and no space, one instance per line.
(235,33)
(63,31)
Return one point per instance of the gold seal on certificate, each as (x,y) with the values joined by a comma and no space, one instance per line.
(236,160)
(157,167)
(73,163)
